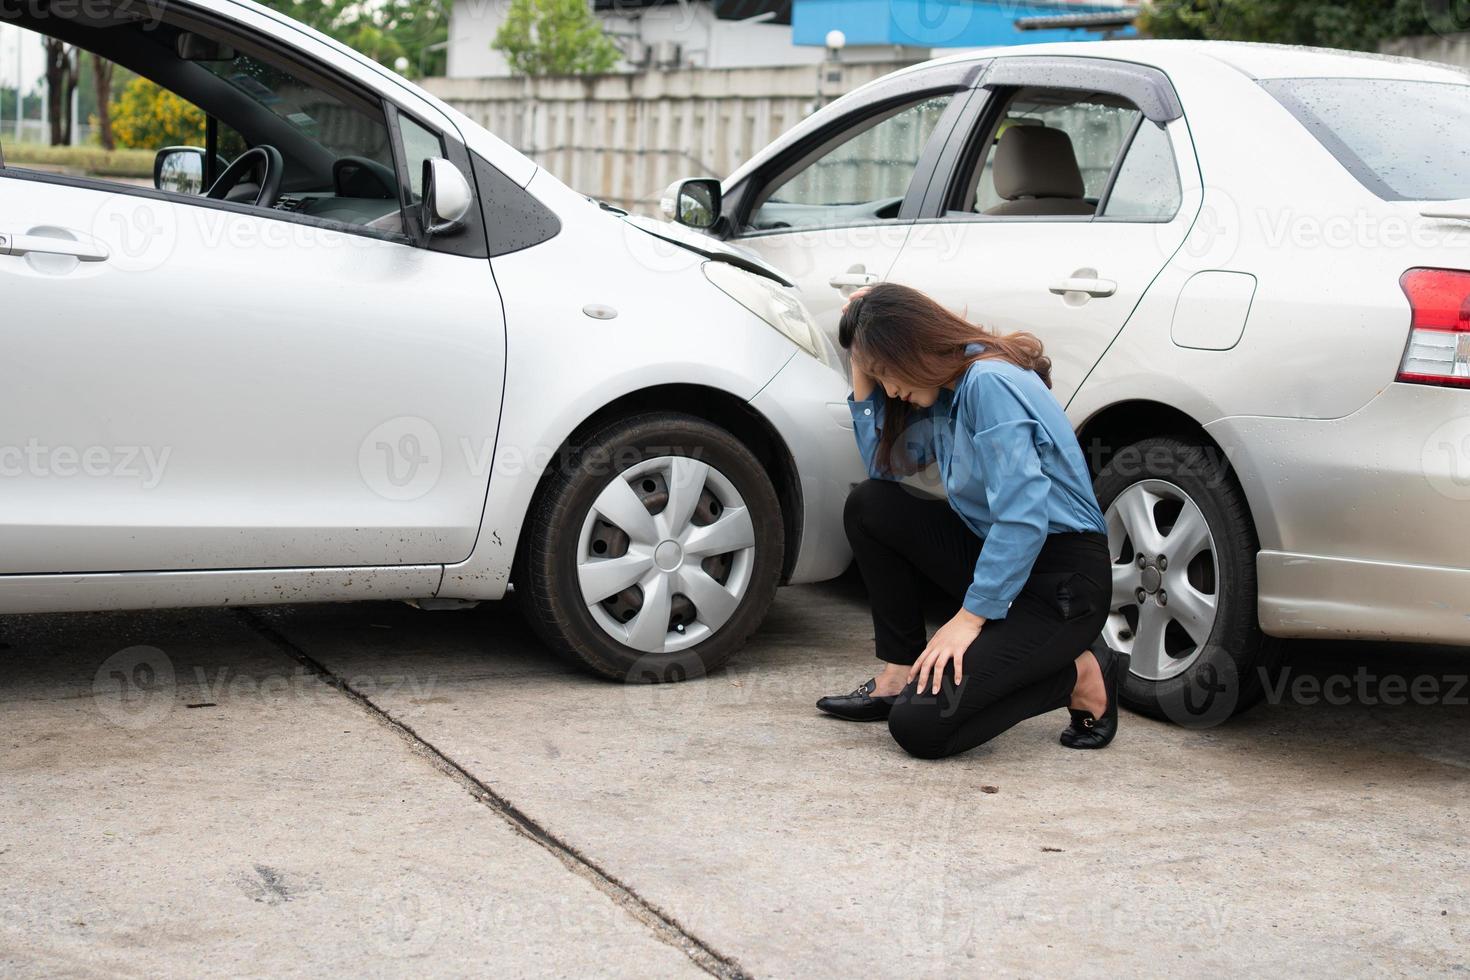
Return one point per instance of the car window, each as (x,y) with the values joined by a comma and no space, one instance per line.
(860,177)
(1147,185)
(1403,140)
(336,159)
(1051,152)
(419,144)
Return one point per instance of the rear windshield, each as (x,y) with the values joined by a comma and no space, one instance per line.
(1406,141)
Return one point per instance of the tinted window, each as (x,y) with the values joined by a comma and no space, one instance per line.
(863,177)
(319,116)
(1405,141)
(1147,186)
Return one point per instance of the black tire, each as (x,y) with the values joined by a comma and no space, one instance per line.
(1229,671)
(547,579)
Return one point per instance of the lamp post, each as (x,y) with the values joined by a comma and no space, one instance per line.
(829,77)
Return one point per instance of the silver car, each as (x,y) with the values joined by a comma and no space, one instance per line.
(1251,267)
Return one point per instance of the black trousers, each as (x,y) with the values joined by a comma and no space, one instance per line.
(1019,666)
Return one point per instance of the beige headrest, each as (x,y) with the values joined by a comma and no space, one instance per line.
(1034,161)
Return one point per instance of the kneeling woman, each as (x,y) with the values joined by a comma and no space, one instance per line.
(1020,543)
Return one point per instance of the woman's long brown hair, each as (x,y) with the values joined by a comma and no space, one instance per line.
(899,333)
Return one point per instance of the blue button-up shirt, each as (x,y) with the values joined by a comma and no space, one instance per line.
(1011,464)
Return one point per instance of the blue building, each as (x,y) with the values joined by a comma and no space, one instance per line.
(955,23)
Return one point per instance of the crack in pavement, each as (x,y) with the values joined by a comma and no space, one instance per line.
(663,925)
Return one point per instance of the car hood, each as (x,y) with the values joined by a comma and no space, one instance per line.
(710,248)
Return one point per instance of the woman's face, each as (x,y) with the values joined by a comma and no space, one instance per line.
(907,391)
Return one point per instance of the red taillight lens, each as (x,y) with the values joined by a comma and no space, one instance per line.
(1439,335)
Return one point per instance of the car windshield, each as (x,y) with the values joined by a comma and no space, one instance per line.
(1403,140)
(311,111)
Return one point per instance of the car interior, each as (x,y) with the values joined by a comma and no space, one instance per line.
(1051,152)
(856,176)
(275,136)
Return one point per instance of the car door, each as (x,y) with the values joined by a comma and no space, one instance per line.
(1061,196)
(832,210)
(208,384)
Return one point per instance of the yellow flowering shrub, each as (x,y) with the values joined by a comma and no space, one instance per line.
(145,116)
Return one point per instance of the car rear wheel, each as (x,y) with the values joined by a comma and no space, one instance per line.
(1184,582)
(656,552)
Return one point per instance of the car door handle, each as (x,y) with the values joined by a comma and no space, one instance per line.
(1092,287)
(87,251)
(852,280)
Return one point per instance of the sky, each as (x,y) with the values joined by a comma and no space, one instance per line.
(32,54)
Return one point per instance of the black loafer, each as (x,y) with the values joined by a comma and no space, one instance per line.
(1087,732)
(860,705)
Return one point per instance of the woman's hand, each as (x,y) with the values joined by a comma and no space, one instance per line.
(949,643)
(862,385)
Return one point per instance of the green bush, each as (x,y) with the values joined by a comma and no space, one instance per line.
(150,117)
(90,160)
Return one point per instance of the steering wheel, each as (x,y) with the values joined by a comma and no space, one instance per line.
(265,158)
(361,177)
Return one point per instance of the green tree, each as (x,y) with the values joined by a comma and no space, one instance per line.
(1355,24)
(554,37)
(412,30)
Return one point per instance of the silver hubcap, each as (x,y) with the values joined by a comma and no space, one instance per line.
(666,554)
(1166,578)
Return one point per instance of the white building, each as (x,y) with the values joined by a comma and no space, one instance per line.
(666,34)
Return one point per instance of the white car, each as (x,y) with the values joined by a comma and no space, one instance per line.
(381,355)
(1250,265)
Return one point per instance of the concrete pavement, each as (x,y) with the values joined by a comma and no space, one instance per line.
(461,803)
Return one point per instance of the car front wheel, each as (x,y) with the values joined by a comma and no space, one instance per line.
(1184,582)
(655,552)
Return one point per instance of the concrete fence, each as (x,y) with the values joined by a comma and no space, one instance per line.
(623,138)
(1450,49)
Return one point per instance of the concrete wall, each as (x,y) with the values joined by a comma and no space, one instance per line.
(623,138)
(1451,49)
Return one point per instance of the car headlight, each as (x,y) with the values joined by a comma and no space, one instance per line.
(774,303)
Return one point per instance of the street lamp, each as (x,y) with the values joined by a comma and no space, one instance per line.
(829,77)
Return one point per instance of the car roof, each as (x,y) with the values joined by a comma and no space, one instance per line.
(1254,60)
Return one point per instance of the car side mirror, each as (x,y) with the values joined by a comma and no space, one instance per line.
(447,198)
(694,202)
(179,169)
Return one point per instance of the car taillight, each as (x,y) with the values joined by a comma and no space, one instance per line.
(1439,334)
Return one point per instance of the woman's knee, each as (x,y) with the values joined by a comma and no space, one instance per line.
(866,500)
(914,726)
